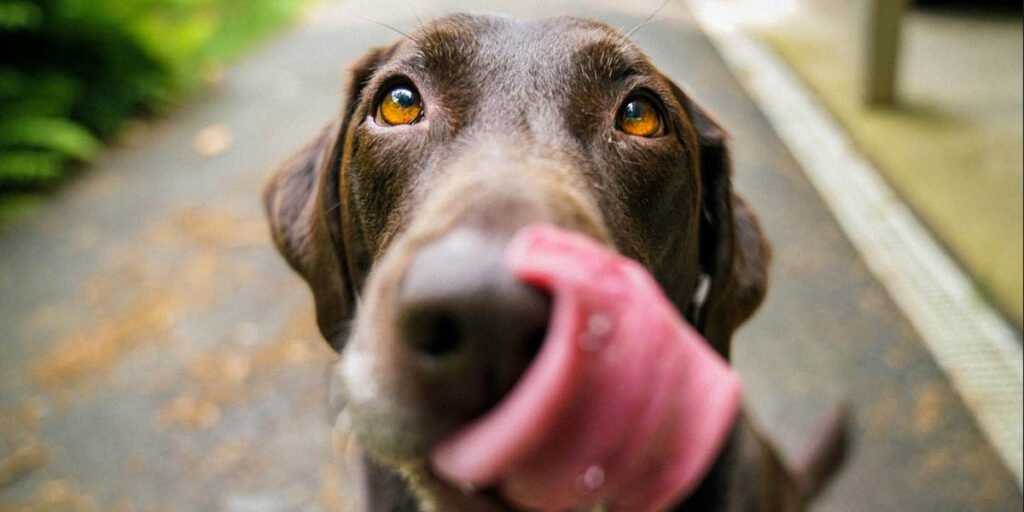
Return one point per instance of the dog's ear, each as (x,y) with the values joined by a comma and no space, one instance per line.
(298,212)
(734,253)
(302,202)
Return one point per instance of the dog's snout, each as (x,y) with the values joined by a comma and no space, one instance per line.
(434,330)
(470,327)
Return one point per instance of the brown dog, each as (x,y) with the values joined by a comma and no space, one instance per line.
(398,215)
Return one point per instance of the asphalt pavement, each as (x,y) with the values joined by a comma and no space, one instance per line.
(157,354)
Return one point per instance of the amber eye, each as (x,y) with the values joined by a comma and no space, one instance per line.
(639,117)
(400,105)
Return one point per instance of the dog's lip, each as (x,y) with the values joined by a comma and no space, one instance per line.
(634,420)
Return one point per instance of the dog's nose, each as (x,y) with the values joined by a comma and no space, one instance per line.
(470,327)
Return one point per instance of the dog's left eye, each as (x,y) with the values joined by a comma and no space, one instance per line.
(639,117)
(400,105)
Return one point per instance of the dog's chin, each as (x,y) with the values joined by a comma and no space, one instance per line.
(397,440)
(405,451)
(435,494)
(396,431)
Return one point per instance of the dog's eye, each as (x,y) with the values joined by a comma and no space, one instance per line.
(639,117)
(400,105)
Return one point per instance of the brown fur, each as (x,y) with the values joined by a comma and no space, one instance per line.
(518,127)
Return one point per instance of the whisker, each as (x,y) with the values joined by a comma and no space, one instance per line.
(331,209)
(385,25)
(412,7)
(648,19)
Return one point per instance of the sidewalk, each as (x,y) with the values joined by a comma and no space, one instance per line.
(954,145)
(158,355)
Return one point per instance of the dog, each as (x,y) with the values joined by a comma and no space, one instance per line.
(399,212)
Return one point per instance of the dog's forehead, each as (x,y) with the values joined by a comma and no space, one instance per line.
(501,45)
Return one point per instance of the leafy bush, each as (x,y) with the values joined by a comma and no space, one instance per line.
(72,70)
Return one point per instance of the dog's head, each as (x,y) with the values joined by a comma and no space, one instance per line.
(399,213)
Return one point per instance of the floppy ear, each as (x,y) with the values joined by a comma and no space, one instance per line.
(734,253)
(295,204)
(302,202)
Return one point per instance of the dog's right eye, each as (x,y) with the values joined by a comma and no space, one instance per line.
(400,105)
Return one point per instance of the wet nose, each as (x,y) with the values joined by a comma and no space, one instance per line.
(470,327)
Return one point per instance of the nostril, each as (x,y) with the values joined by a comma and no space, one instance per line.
(432,333)
(534,340)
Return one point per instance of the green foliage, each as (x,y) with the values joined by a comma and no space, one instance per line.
(54,134)
(72,70)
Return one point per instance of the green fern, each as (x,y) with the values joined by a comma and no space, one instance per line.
(71,71)
(61,136)
(19,15)
(21,168)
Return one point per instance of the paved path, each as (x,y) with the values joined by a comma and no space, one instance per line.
(157,355)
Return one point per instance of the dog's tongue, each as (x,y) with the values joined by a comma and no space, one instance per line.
(625,405)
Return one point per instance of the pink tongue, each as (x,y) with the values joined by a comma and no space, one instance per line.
(625,405)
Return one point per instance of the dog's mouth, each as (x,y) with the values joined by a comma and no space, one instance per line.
(625,405)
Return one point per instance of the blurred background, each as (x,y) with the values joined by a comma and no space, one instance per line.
(156,353)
